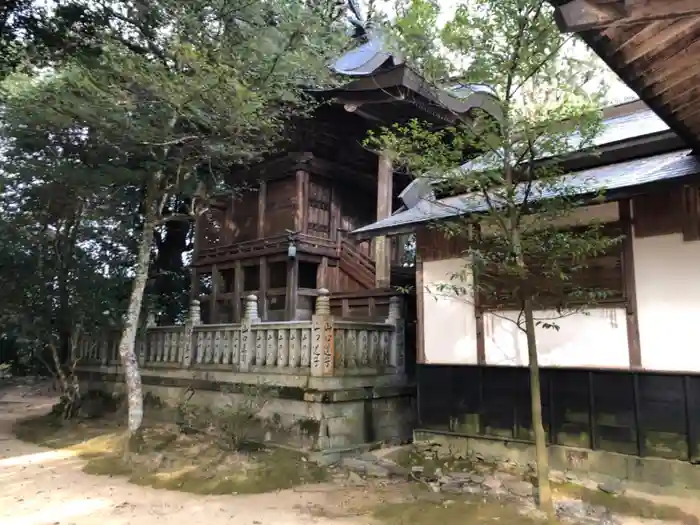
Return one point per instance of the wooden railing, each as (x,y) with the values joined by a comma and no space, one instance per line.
(324,346)
(266,246)
(356,264)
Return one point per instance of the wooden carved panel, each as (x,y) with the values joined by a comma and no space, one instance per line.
(658,213)
(433,244)
(319,207)
(244,216)
(279,206)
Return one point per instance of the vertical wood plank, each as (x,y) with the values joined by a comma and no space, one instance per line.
(420,343)
(630,288)
(214,298)
(264,280)
(237,292)
(384,202)
(291,299)
(322,275)
(262,200)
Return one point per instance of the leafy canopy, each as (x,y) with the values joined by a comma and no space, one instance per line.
(549,93)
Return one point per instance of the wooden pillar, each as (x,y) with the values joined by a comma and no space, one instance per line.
(420,342)
(292,292)
(194,279)
(301,206)
(262,199)
(264,280)
(322,275)
(214,297)
(237,292)
(382,248)
(635,351)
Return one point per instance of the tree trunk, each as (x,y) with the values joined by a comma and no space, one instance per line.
(542,459)
(127,350)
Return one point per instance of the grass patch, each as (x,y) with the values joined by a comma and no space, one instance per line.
(168,459)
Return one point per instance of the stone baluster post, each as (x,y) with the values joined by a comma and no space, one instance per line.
(104,350)
(188,344)
(250,317)
(322,357)
(151,350)
(397,345)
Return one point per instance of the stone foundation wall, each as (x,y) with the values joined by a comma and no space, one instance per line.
(312,413)
(671,475)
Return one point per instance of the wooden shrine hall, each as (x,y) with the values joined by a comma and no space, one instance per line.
(285,238)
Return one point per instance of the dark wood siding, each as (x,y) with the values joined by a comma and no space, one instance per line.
(642,413)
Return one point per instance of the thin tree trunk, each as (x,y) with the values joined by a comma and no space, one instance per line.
(127,350)
(542,459)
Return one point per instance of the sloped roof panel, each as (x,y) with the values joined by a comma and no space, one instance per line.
(611,179)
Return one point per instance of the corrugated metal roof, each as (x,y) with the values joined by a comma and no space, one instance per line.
(639,124)
(624,127)
(611,178)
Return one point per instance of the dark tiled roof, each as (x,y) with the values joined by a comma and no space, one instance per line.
(611,179)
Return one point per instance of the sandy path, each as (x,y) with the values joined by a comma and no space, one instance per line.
(45,487)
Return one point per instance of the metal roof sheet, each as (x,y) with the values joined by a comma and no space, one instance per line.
(615,129)
(610,178)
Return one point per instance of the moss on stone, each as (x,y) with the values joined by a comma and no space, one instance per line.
(626,505)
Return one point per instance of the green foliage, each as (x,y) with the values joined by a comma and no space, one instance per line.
(515,242)
(121,117)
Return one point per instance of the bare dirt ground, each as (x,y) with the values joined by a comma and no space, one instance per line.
(52,486)
(47,487)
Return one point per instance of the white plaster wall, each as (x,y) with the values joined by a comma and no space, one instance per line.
(597,338)
(667,276)
(449,324)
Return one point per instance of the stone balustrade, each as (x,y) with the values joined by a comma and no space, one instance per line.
(324,346)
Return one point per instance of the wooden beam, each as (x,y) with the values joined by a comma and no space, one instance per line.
(322,276)
(264,280)
(214,296)
(237,292)
(291,299)
(658,40)
(420,324)
(674,79)
(681,62)
(382,255)
(301,221)
(584,15)
(262,200)
(633,342)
